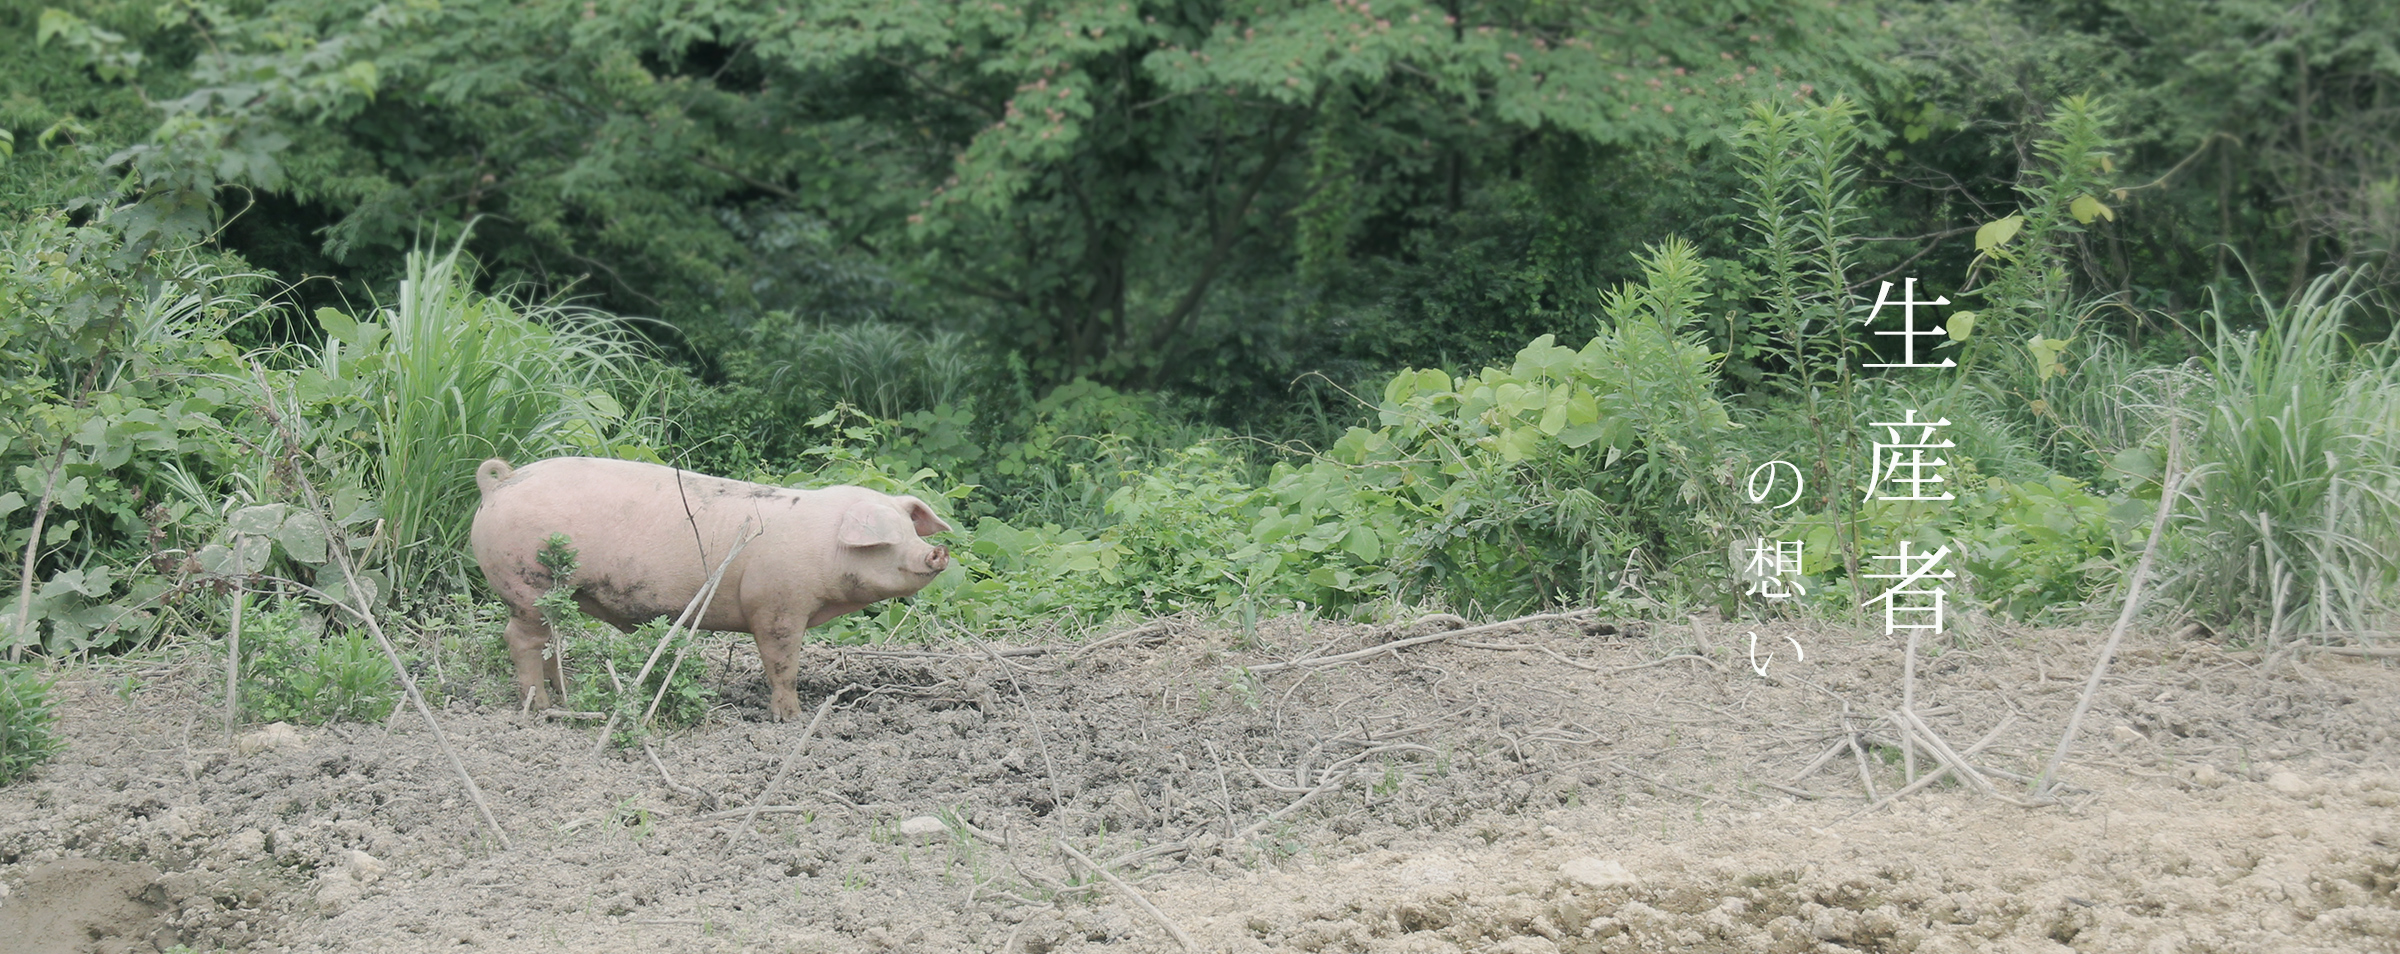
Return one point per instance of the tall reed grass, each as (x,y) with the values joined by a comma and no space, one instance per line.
(462,376)
(2298,473)
(879,367)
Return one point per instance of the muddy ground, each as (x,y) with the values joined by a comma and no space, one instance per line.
(1557,786)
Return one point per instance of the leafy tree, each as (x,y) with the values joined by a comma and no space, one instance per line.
(1092,172)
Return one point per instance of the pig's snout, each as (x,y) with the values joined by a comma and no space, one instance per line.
(939,560)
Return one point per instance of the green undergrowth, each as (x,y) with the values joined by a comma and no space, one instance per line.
(295,669)
(28,721)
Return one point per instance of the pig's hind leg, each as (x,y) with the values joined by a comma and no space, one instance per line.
(528,636)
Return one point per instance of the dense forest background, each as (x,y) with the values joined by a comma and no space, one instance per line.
(1184,302)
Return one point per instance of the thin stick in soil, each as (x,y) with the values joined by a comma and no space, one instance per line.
(1934,776)
(233,661)
(1822,759)
(2172,482)
(792,758)
(1399,644)
(340,549)
(1866,777)
(1132,895)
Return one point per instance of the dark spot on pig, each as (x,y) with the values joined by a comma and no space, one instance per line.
(763,491)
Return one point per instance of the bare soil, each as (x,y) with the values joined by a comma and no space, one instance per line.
(1532,789)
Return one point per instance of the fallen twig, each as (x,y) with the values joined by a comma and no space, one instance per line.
(679,788)
(792,758)
(1154,627)
(340,549)
(2171,482)
(693,612)
(1622,770)
(1865,777)
(1939,774)
(1695,657)
(1132,895)
(1522,647)
(1821,760)
(2372,652)
(1399,644)
(1918,734)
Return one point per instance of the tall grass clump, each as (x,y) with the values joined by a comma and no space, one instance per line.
(2298,473)
(880,367)
(456,376)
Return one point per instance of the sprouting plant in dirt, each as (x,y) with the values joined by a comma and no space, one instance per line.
(289,673)
(27,718)
(1244,687)
(630,815)
(962,841)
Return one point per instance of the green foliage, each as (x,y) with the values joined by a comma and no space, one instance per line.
(290,674)
(2043,547)
(882,368)
(2296,474)
(1094,170)
(602,660)
(106,406)
(2029,295)
(446,377)
(28,722)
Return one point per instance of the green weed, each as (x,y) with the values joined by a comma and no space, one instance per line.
(290,674)
(28,720)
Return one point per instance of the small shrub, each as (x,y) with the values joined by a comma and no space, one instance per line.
(27,717)
(601,661)
(289,674)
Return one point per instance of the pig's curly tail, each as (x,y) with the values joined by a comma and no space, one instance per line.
(490,474)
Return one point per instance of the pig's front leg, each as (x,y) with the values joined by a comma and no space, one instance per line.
(778,652)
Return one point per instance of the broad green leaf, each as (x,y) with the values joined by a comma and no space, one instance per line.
(217,559)
(360,76)
(1554,417)
(2137,461)
(371,585)
(71,493)
(1996,233)
(54,22)
(338,326)
(303,537)
(262,519)
(2085,209)
(1577,435)
(1363,543)
(253,552)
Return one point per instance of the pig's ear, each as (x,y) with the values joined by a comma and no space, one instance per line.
(870,524)
(928,523)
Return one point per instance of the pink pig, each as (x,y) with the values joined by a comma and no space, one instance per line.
(647,536)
